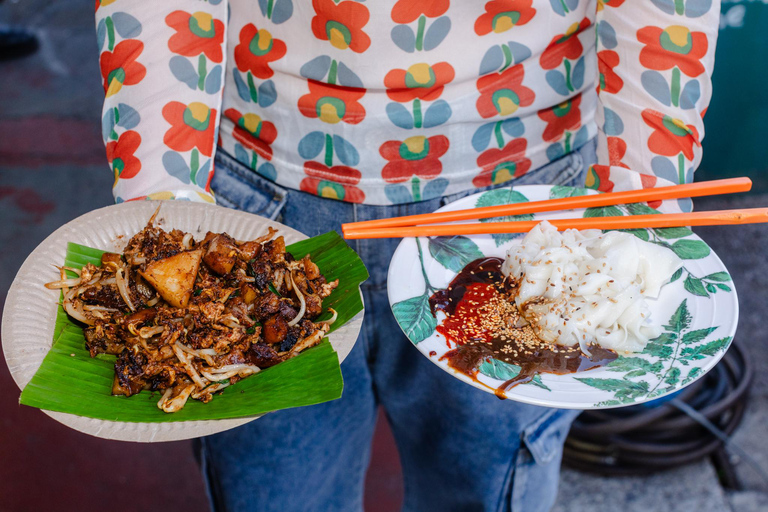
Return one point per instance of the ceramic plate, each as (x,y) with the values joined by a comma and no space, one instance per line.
(30,309)
(698,310)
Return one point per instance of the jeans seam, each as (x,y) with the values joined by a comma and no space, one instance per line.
(569,170)
(374,287)
(273,195)
(234,204)
(520,474)
(576,166)
(239,169)
(505,499)
(214,498)
(535,427)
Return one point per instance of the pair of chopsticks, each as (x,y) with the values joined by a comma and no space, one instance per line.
(409,226)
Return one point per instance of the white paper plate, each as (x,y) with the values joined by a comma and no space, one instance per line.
(30,308)
(664,368)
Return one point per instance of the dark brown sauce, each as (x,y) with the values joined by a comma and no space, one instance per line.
(477,283)
(482,271)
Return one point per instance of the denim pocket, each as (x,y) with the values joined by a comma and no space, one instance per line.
(237,186)
(537,468)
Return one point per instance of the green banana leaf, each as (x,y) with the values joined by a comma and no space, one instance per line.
(70,381)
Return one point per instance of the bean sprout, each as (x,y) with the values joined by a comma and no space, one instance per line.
(74,310)
(188,366)
(300,296)
(87,307)
(65,283)
(177,402)
(122,287)
(148,332)
(203,354)
(213,388)
(164,397)
(187,241)
(333,318)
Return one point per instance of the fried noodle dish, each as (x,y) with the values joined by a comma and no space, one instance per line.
(189,318)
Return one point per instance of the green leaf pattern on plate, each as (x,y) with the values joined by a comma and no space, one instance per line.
(560,191)
(625,390)
(498,197)
(504,371)
(671,233)
(707,285)
(415,317)
(662,359)
(454,252)
(603,211)
(641,209)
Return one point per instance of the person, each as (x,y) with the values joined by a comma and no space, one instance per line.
(326,112)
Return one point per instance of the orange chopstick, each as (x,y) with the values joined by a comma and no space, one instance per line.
(704,188)
(668,220)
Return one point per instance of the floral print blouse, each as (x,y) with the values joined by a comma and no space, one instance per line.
(386,102)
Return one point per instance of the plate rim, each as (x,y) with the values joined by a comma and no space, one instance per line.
(554,403)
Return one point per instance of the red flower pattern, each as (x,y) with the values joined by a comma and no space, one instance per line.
(670,136)
(602,4)
(252,132)
(192,126)
(562,117)
(617,148)
(341,24)
(673,46)
(408,11)
(502,15)
(195,34)
(503,93)
(501,165)
(337,182)
(256,50)
(120,155)
(415,156)
(100,3)
(332,103)
(119,67)
(598,178)
(608,80)
(564,46)
(420,81)
(649,181)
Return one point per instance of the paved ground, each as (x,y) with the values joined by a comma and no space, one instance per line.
(52,169)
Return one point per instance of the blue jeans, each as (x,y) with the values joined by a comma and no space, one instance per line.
(461,448)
